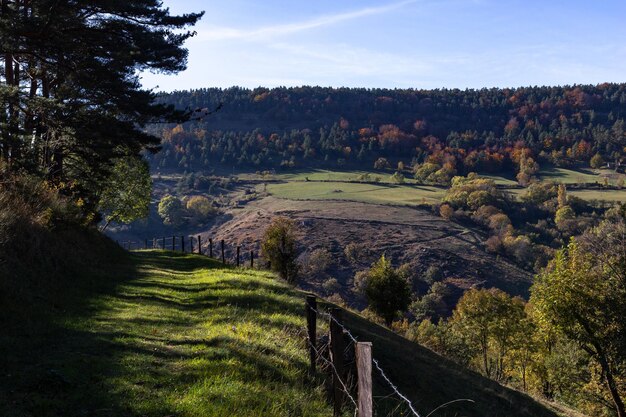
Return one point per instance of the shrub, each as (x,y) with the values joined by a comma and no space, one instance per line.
(356,252)
(387,291)
(360,281)
(279,246)
(397,177)
(331,286)
(318,262)
(201,208)
(446,211)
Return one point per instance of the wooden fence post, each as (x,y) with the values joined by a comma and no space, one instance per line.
(146,245)
(210,247)
(154,243)
(364,378)
(251,259)
(182,243)
(238,249)
(311,322)
(223,254)
(199,244)
(190,244)
(173,243)
(163,242)
(336,351)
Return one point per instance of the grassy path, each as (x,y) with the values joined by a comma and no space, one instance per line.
(165,334)
(175,336)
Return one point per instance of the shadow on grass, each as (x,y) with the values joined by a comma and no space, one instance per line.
(79,358)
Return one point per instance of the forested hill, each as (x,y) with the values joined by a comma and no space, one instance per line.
(462,130)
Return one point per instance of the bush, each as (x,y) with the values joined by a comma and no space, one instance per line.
(318,262)
(331,286)
(356,252)
(387,291)
(361,279)
(446,211)
(201,209)
(280,248)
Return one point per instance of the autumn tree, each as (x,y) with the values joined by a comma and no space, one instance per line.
(583,296)
(200,208)
(489,320)
(597,161)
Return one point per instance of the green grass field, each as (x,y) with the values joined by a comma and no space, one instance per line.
(324,175)
(176,336)
(320,188)
(568,176)
(168,334)
(368,193)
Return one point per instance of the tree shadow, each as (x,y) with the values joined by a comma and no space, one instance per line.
(88,357)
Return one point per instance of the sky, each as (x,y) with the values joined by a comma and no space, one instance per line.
(421,44)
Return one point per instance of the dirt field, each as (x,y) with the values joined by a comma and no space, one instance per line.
(407,235)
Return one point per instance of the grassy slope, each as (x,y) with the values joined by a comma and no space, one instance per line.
(172,334)
(167,334)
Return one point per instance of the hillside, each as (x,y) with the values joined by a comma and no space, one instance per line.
(164,333)
(463,130)
(408,235)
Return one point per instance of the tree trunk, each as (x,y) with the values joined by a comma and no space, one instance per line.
(610,382)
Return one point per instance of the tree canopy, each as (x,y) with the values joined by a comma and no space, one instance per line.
(70,94)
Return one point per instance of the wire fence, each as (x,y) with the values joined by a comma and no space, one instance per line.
(218,249)
(349,364)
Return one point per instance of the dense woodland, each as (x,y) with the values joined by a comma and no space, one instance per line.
(460,131)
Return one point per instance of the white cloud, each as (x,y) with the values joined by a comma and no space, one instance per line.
(223,33)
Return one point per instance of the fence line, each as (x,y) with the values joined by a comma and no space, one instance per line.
(170,242)
(363,404)
(333,319)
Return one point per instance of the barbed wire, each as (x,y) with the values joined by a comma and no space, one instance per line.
(376,364)
(339,378)
(395,389)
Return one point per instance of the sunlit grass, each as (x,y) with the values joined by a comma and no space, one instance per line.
(177,336)
(368,193)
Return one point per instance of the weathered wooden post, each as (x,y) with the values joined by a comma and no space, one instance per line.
(238,249)
(336,351)
(146,245)
(311,324)
(210,247)
(173,243)
(182,243)
(190,244)
(163,242)
(364,379)
(223,253)
(199,244)
(251,259)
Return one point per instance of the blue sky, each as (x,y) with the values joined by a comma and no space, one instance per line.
(405,43)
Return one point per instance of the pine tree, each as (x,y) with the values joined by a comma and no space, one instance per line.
(70,97)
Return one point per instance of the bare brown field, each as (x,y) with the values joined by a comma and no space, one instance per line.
(408,235)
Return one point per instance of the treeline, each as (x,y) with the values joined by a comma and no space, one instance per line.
(488,130)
